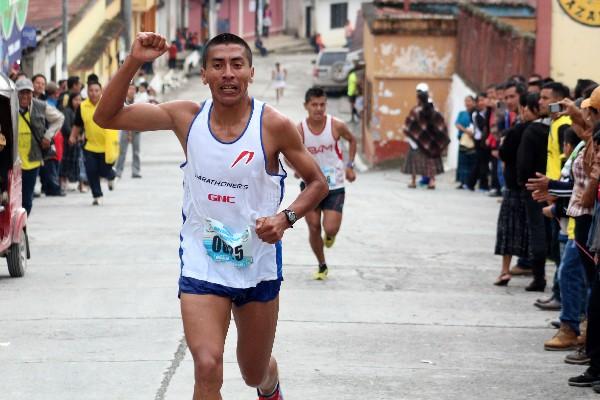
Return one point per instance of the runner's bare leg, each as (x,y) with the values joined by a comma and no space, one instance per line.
(332,220)
(256,325)
(313,220)
(206,321)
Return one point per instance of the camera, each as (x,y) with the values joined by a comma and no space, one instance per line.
(555,107)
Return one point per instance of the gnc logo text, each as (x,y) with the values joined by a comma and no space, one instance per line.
(219,198)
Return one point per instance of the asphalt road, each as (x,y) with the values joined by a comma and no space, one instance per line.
(409,311)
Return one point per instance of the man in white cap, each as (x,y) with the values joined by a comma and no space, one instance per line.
(38,123)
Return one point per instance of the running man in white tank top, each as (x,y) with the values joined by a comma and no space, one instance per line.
(230,241)
(321,134)
(279,76)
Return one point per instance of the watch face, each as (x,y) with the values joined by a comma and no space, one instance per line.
(291,216)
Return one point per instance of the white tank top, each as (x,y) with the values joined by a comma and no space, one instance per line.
(326,150)
(226,187)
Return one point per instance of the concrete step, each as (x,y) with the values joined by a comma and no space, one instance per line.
(284,44)
(294,49)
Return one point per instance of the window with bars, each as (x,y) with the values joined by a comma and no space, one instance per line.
(339,15)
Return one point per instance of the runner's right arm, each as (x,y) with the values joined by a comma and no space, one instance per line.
(111,112)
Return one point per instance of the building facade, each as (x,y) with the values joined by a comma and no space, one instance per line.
(567,37)
(402,50)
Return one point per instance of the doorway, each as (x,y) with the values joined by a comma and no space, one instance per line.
(308,31)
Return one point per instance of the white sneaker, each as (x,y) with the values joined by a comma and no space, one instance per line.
(97,201)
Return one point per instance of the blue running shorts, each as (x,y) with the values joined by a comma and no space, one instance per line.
(263,292)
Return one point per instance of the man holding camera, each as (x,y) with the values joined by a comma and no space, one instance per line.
(552,93)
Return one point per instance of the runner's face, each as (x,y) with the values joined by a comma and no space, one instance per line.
(228,73)
(317,108)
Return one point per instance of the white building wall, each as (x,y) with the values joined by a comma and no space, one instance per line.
(333,37)
(456,103)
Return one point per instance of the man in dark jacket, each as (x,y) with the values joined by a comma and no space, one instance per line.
(38,123)
(531,159)
(481,130)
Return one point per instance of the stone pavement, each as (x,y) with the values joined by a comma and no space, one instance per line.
(409,311)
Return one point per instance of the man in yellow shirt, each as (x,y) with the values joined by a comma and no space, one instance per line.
(353,91)
(94,150)
(38,123)
(552,93)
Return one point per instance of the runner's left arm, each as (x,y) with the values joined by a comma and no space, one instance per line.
(346,134)
(286,140)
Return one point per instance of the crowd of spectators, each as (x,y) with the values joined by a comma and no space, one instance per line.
(536,143)
(60,143)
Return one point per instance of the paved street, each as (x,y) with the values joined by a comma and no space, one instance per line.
(409,311)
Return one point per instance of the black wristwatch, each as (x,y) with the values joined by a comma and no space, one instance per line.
(291,217)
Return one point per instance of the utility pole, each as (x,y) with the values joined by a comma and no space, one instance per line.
(258,18)
(65,35)
(212,19)
(127,15)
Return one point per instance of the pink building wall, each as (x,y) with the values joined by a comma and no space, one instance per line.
(195,16)
(230,10)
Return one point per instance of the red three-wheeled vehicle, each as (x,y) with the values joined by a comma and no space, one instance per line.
(14,245)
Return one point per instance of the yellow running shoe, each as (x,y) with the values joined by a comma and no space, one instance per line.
(328,241)
(321,273)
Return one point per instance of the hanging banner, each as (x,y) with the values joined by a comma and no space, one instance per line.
(13,15)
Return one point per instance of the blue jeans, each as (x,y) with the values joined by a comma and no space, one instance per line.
(562,243)
(501,180)
(82,174)
(96,167)
(573,288)
(27,186)
(49,178)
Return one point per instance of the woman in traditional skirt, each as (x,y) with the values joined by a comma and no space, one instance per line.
(426,132)
(512,232)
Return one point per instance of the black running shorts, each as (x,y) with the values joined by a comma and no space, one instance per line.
(334,200)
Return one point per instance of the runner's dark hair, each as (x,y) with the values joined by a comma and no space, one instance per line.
(314,92)
(226,38)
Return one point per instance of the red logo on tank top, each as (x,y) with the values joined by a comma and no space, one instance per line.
(219,198)
(248,154)
(320,149)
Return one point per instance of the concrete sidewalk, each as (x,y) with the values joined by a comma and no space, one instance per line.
(409,310)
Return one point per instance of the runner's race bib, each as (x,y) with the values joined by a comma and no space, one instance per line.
(224,246)
(329,173)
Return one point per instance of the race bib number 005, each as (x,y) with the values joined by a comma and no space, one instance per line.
(222,245)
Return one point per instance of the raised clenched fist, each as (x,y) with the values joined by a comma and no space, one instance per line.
(148,46)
